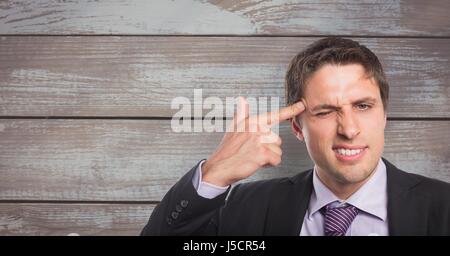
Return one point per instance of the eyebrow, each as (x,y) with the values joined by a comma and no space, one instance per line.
(333,107)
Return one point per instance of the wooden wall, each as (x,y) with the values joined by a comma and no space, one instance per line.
(86,86)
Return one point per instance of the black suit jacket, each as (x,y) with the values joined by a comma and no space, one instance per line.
(416,206)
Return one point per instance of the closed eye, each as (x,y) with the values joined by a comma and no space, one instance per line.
(323,113)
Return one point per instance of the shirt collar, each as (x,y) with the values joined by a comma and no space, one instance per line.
(370,198)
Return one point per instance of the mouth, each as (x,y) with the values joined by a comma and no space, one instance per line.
(348,153)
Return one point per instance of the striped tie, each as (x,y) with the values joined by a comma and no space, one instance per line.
(338,219)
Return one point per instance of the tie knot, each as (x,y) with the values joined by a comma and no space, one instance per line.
(338,219)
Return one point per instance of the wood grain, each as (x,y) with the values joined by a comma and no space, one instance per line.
(25,219)
(140,76)
(139,160)
(248,17)
(54,173)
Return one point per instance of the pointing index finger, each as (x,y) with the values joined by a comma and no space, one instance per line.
(282,114)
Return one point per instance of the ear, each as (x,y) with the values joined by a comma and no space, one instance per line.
(296,129)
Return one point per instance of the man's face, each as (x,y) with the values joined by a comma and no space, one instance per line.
(343,125)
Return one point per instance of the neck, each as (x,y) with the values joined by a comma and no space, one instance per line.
(341,189)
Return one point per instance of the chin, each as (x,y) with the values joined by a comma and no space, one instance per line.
(353,174)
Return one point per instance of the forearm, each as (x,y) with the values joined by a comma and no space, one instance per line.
(184,212)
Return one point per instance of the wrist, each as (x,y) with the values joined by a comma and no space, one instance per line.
(210,174)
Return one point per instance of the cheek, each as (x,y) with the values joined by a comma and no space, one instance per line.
(373,124)
(372,128)
(320,133)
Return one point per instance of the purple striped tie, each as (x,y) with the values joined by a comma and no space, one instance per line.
(338,219)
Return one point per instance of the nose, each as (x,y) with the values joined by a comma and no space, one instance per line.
(348,125)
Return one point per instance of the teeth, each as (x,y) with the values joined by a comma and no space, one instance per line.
(348,152)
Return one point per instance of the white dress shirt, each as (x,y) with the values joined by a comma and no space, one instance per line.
(370,199)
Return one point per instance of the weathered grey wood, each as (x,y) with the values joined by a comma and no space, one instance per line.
(82,219)
(141,159)
(140,76)
(250,17)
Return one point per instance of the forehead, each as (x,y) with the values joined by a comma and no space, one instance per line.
(340,84)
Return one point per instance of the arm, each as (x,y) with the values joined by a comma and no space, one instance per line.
(248,145)
(184,211)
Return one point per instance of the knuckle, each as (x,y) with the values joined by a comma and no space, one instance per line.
(294,109)
(261,161)
(256,138)
(263,151)
(277,160)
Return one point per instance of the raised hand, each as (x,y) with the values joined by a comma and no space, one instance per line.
(248,145)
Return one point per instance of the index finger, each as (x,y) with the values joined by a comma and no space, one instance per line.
(282,114)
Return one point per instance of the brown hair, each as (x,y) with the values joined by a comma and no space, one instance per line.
(337,51)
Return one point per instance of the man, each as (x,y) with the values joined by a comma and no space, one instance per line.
(337,97)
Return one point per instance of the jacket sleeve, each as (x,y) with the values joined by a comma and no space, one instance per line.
(183,212)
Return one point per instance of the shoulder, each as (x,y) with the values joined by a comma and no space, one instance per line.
(430,185)
(433,193)
(435,190)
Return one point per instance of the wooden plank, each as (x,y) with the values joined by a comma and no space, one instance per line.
(139,160)
(140,76)
(250,17)
(75,219)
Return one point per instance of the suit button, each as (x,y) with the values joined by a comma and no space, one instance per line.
(184,203)
(178,208)
(169,220)
(174,215)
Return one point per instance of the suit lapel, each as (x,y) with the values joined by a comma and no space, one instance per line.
(288,205)
(407,210)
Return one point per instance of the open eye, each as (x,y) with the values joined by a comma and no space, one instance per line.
(363,106)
